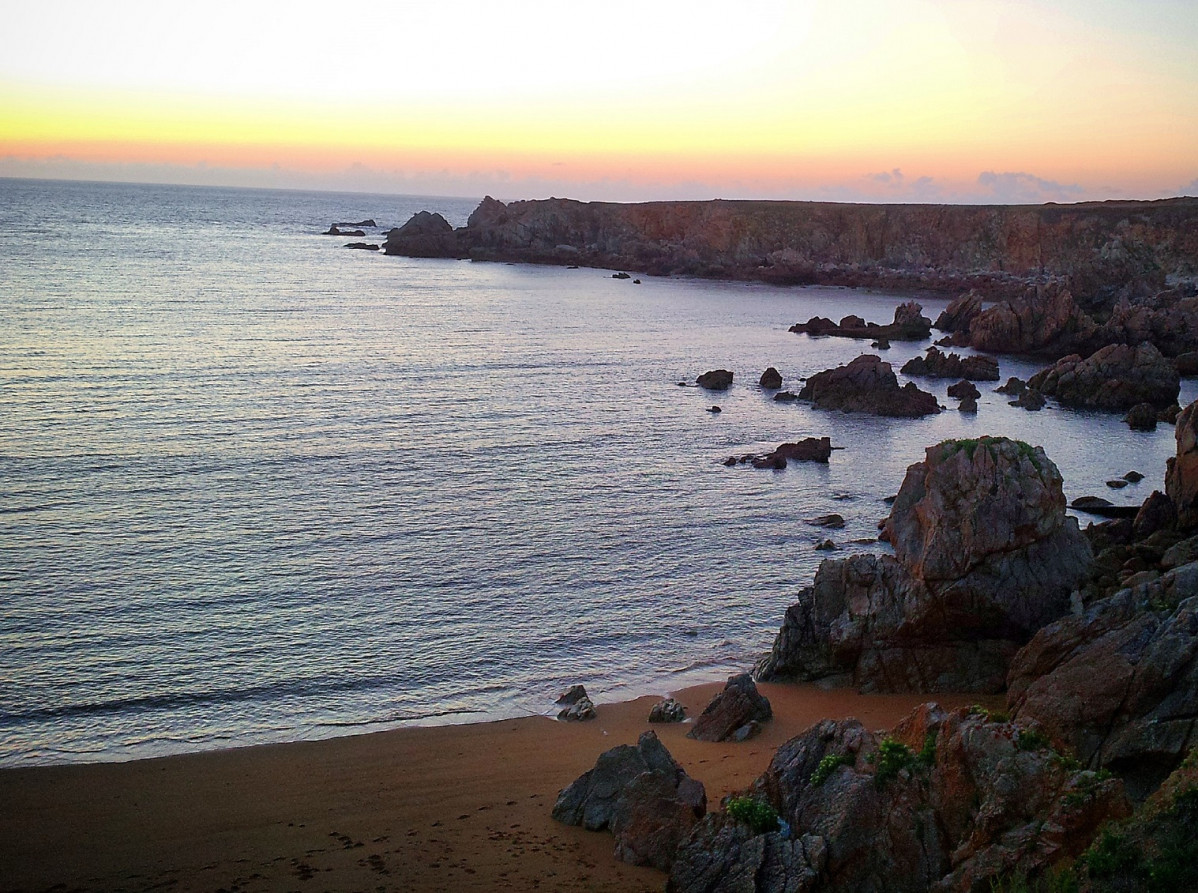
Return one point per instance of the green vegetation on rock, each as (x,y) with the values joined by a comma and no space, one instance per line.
(757,814)
(829,764)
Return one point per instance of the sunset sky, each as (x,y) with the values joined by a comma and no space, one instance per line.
(956,100)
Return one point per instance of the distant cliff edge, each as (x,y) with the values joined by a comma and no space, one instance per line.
(1100,250)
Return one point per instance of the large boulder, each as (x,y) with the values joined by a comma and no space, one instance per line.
(715,380)
(642,795)
(735,708)
(1118,684)
(771,379)
(424,235)
(948,802)
(867,384)
(984,556)
(1181,476)
(1116,377)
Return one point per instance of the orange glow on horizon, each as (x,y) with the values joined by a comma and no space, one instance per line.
(859,97)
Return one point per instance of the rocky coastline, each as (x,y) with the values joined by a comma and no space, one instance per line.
(1089,635)
(1109,250)
(1092,636)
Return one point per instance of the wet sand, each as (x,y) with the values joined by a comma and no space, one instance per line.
(449,808)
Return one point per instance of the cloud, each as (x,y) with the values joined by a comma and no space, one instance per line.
(1021,188)
(1190,188)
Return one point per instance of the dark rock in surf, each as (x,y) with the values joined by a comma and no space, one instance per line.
(867,384)
(715,380)
(771,379)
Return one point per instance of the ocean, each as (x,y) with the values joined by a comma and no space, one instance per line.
(256,487)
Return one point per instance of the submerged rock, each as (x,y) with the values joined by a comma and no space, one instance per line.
(984,556)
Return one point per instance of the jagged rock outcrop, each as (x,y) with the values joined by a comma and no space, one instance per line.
(1181,474)
(909,325)
(963,390)
(1102,248)
(959,314)
(949,803)
(667,710)
(1043,320)
(1118,684)
(984,556)
(867,384)
(576,705)
(731,711)
(1116,377)
(936,364)
(642,795)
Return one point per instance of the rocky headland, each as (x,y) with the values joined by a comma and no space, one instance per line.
(1110,249)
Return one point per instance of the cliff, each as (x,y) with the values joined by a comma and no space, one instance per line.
(1099,249)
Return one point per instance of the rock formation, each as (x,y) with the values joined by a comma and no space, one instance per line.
(1181,476)
(1118,684)
(715,380)
(732,711)
(984,556)
(809,449)
(667,710)
(576,705)
(424,235)
(909,325)
(645,798)
(1116,377)
(1108,248)
(771,379)
(936,364)
(867,384)
(951,802)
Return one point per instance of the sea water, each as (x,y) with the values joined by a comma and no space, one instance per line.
(257,487)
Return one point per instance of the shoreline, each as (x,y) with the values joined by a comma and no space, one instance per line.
(446,807)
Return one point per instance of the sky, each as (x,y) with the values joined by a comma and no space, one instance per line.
(986,101)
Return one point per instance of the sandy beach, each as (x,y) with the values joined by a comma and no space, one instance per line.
(448,808)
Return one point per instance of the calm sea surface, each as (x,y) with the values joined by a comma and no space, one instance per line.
(256,487)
